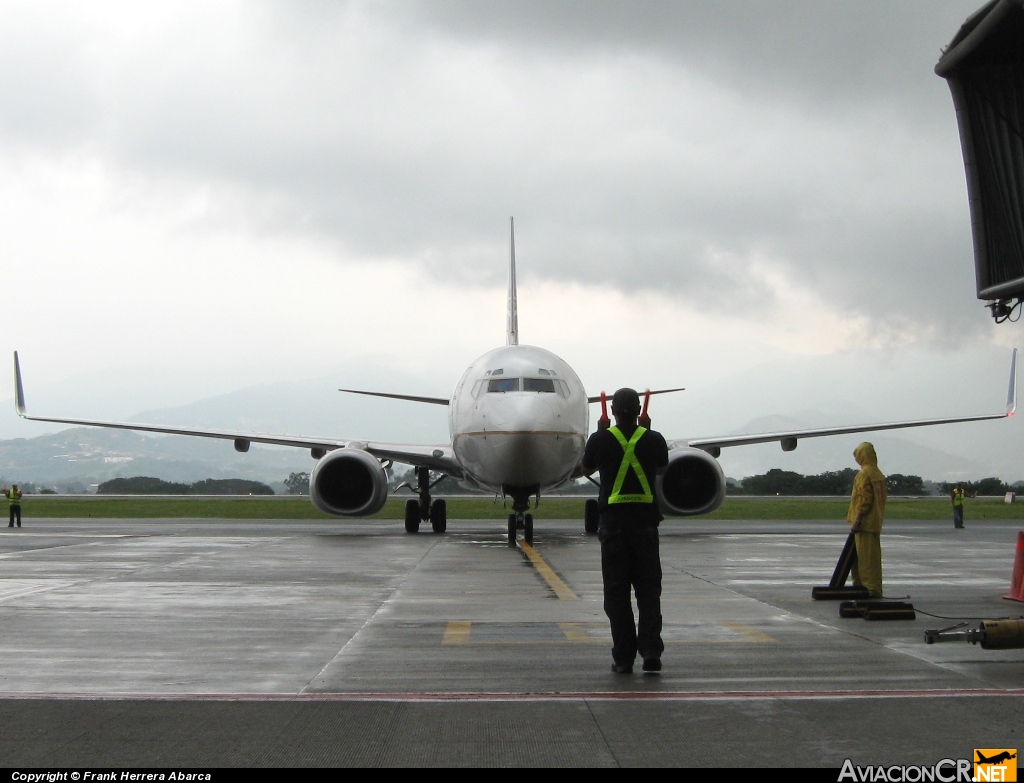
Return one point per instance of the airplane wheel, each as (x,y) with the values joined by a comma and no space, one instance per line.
(511,529)
(412,516)
(591,516)
(528,529)
(439,516)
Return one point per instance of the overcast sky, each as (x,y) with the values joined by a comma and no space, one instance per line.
(761,201)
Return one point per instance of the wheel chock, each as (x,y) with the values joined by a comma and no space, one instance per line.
(905,612)
(838,593)
(860,608)
(835,591)
(850,609)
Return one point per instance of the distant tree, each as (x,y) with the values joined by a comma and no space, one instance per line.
(898,484)
(141,485)
(987,486)
(785,482)
(991,486)
(832,482)
(297,483)
(147,485)
(230,487)
(774,482)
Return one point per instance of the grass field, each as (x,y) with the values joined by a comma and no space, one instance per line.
(48,506)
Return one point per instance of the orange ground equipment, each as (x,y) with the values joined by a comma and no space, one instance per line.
(1017,580)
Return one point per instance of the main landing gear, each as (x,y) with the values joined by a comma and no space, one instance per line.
(422,509)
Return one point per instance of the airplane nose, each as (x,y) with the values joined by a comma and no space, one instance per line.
(525,440)
(532,414)
(539,442)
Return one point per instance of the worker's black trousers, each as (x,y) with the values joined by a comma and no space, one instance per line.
(630,559)
(15,512)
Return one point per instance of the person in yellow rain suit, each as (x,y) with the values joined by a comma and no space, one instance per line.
(867,510)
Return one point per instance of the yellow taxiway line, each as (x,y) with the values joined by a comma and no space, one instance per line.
(560,588)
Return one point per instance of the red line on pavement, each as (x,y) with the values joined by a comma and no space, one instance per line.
(484,696)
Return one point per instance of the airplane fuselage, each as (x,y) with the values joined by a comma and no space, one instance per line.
(518,419)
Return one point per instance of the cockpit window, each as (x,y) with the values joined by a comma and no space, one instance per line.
(503,385)
(539,385)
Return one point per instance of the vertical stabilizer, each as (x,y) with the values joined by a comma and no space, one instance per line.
(512,325)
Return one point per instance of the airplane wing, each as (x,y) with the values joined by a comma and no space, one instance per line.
(408,397)
(789,439)
(440,458)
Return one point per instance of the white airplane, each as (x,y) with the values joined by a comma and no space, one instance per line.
(518,419)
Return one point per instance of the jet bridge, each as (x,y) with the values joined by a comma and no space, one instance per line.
(984,67)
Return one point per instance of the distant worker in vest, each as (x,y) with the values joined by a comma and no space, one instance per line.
(867,510)
(630,457)
(957,496)
(13,496)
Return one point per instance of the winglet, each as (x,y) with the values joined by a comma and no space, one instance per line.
(19,392)
(512,325)
(1011,394)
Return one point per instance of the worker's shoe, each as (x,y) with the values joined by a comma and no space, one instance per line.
(622,668)
(652,664)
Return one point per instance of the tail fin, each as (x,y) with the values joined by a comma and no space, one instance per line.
(512,324)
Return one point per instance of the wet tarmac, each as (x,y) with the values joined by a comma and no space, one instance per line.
(239,643)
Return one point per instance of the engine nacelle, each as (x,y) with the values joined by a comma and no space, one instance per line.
(348,482)
(693,483)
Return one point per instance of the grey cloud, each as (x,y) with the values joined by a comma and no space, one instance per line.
(813,50)
(415,129)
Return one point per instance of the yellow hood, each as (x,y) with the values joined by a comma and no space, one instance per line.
(865,454)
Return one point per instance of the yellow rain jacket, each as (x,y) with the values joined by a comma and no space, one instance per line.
(869,491)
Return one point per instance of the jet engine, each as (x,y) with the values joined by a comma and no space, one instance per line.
(348,482)
(693,483)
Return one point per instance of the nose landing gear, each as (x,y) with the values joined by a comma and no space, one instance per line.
(519,519)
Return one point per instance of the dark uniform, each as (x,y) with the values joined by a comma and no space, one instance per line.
(629,459)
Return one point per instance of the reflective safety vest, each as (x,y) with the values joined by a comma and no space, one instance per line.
(14,497)
(958,497)
(629,460)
